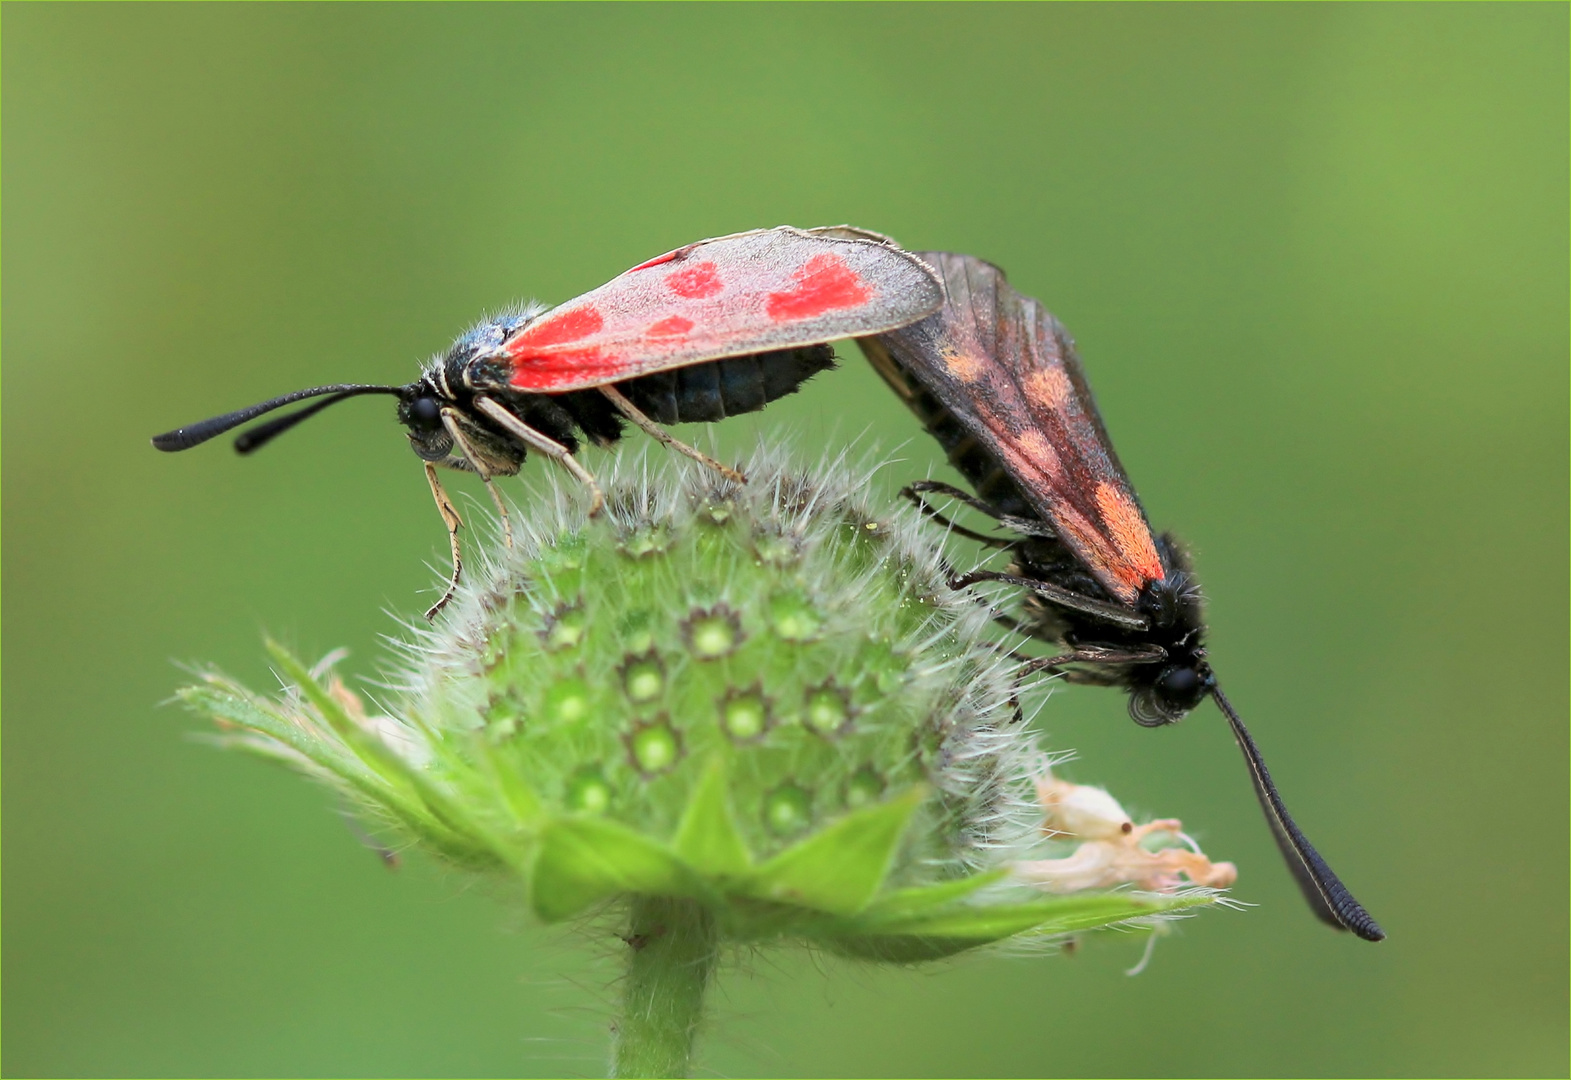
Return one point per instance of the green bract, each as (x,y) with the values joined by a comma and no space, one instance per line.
(759,703)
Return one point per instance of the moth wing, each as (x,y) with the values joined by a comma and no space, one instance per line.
(751,292)
(1007,371)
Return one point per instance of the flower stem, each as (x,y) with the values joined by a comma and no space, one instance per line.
(674,945)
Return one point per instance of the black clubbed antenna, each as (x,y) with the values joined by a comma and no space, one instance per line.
(1326,894)
(264,433)
(195,434)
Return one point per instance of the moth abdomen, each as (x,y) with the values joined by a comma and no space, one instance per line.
(718,389)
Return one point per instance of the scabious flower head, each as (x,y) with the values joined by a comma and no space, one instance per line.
(760,700)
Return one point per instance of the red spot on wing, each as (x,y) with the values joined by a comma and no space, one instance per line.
(539,362)
(554,329)
(657,260)
(695,282)
(826,283)
(563,367)
(675,326)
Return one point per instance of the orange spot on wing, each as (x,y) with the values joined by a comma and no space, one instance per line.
(1041,452)
(1120,552)
(1049,387)
(1130,534)
(1092,546)
(963,366)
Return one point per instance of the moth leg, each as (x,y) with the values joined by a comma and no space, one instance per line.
(938,487)
(1093,654)
(1113,613)
(1025,526)
(450,420)
(1005,650)
(655,431)
(949,523)
(1080,677)
(1009,622)
(547,446)
(450,518)
(1018,716)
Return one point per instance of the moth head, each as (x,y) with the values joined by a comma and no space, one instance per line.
(420,408)
(1169,697)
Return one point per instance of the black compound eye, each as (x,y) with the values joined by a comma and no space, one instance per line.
(1179,683)
(425,411)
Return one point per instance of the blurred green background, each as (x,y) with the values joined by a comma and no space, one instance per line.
(1315,256)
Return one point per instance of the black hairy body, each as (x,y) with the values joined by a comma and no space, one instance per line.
(698,393)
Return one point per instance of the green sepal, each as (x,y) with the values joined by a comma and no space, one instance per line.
(1099,910)
(372,751)
(223,700)
(945,931)
(381,758)
(708,837)
(247,743)
(896,949)
(581,861)
(521,800)
(496,780)
(840,868)
(906,902)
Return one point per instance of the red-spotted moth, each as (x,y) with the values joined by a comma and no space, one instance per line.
(710,330)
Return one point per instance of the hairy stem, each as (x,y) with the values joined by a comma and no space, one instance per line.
(673,946)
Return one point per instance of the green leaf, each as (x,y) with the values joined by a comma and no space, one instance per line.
(708,837)
(582,861)
(839,868)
